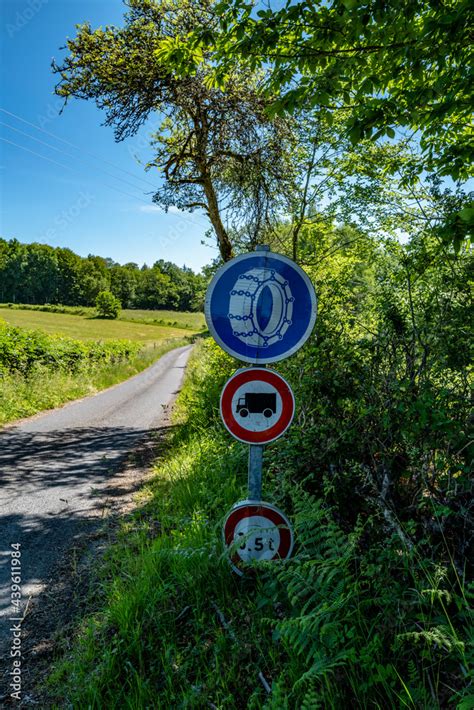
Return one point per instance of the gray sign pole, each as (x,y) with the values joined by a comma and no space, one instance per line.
(255,472)
(255,450)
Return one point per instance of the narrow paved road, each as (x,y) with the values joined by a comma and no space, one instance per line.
(55,471)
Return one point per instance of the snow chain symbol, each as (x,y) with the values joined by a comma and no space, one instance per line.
(264,299)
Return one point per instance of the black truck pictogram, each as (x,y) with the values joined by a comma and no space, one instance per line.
(257,403)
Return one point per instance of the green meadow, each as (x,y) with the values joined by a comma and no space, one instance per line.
(192,321)
(90,328)
(174,319)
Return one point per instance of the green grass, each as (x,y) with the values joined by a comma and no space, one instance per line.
(192,321)
(84,328)
(174,319)
(45,388)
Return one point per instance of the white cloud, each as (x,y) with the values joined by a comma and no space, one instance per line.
(150,208)
(157,208)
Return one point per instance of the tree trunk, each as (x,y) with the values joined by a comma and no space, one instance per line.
(200,121)
(225,247)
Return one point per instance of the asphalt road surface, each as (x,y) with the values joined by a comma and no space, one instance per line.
(55,470)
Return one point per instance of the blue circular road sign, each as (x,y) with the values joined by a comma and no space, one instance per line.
(260,307)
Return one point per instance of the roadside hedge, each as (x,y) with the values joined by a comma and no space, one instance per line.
(22,349)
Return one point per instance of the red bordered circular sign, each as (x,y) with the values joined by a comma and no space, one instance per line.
(256,531)
(257,405)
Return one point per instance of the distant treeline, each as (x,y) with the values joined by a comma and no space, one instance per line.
(38,274)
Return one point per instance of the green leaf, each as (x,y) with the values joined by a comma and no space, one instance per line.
(377,134)
(467,215)
(354,134)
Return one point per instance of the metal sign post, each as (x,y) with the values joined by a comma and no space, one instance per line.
(255,469)
(255,451)
(255,472)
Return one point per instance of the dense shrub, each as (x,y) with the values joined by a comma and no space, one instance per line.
(107,305)
(21,350)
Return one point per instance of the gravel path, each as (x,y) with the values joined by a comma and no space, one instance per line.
(56,469)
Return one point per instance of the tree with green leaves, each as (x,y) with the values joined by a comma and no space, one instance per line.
(398,64)
(41,274)
(107,305)
(217,150)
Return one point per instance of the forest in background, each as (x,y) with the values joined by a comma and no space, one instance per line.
(38,274)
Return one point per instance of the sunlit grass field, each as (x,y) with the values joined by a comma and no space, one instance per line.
(193,321)
(87,328)
(174,319)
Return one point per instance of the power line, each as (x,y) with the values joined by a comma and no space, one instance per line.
(68,167)
(96,157)
(73,157)
(72,145)
(5,140)
(111,187)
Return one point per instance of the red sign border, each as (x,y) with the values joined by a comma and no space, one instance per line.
(247,508)
(248,374)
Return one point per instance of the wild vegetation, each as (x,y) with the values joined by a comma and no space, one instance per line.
(401,64)
(374,608)
(22,349)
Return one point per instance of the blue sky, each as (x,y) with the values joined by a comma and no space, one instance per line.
(56,191)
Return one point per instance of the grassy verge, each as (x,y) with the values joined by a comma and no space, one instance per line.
(345,623)
(174,319)
(45,387)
